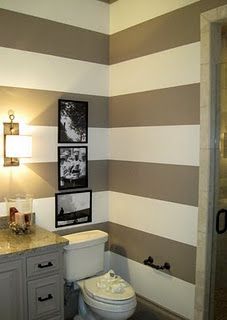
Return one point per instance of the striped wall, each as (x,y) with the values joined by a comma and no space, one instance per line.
(88,15)
(139,70)
(154,145)
(51,51)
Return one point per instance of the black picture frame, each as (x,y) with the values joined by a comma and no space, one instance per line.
(73,208)
(72,121)
(72,167)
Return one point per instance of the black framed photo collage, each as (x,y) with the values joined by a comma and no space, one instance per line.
(72,207)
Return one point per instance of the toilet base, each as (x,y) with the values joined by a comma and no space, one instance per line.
(87,312)
(103,315)
(84,312)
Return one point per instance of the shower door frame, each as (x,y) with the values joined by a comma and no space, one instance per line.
(210,35)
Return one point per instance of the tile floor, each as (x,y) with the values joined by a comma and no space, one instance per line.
(220,312)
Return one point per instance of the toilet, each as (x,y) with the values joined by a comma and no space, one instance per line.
(102,296)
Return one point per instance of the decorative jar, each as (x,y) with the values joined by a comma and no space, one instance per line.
(20,212)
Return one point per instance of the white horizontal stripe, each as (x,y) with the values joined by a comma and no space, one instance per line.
(45,146)
(40,71)
(98,143)
(161,144)
(127,13)
(162,218)
(169,68)
(170,292)
(87,14)
(45,211)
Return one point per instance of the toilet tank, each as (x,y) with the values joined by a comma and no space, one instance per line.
(84,255)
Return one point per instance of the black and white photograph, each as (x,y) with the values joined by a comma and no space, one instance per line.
(72,121)
(72,167)
(73,208)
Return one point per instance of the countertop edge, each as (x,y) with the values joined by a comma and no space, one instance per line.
(40,239)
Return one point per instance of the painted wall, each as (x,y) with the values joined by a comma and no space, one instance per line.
(143,149)
(154,145)
(50,51)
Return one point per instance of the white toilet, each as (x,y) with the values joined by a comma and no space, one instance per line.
(105,296)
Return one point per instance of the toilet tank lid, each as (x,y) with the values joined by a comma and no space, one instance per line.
(85,239)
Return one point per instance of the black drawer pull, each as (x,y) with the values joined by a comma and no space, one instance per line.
(49,297)
(41,266)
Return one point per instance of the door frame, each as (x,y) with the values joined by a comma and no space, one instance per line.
(210,35)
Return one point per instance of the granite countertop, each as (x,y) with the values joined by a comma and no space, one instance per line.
(10,243)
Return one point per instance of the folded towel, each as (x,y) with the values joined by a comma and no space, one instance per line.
(111,282)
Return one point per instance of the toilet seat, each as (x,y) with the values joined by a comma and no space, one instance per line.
(108,306)
(112,302)
(107,296)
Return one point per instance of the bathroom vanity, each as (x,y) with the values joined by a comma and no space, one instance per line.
(31,275)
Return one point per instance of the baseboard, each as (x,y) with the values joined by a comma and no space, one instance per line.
(147,310)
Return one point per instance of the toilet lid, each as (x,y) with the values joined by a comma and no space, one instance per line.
(118,291)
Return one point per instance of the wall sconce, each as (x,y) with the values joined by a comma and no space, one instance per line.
(15,145)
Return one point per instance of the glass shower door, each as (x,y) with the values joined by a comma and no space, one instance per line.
(220,223)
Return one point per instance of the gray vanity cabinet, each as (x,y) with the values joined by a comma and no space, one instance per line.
(31,275)
(12,305)
(31,286)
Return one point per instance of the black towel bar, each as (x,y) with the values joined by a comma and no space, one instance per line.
(149,262)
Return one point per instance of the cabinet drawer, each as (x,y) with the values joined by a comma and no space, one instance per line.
(44,297)
(41,264)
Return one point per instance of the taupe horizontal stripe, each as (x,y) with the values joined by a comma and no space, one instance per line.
(174,183)
(170,106)
(104,226)
(177,28)
(138,245)
(211,4)
(181,256)
(98,175)
(40,107)
(25,32)
(41,179)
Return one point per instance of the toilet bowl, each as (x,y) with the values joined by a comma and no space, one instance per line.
(105,304)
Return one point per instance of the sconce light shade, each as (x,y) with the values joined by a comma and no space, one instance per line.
(15,145)
(18,146)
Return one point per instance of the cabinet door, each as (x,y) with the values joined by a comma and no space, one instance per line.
(11,291)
